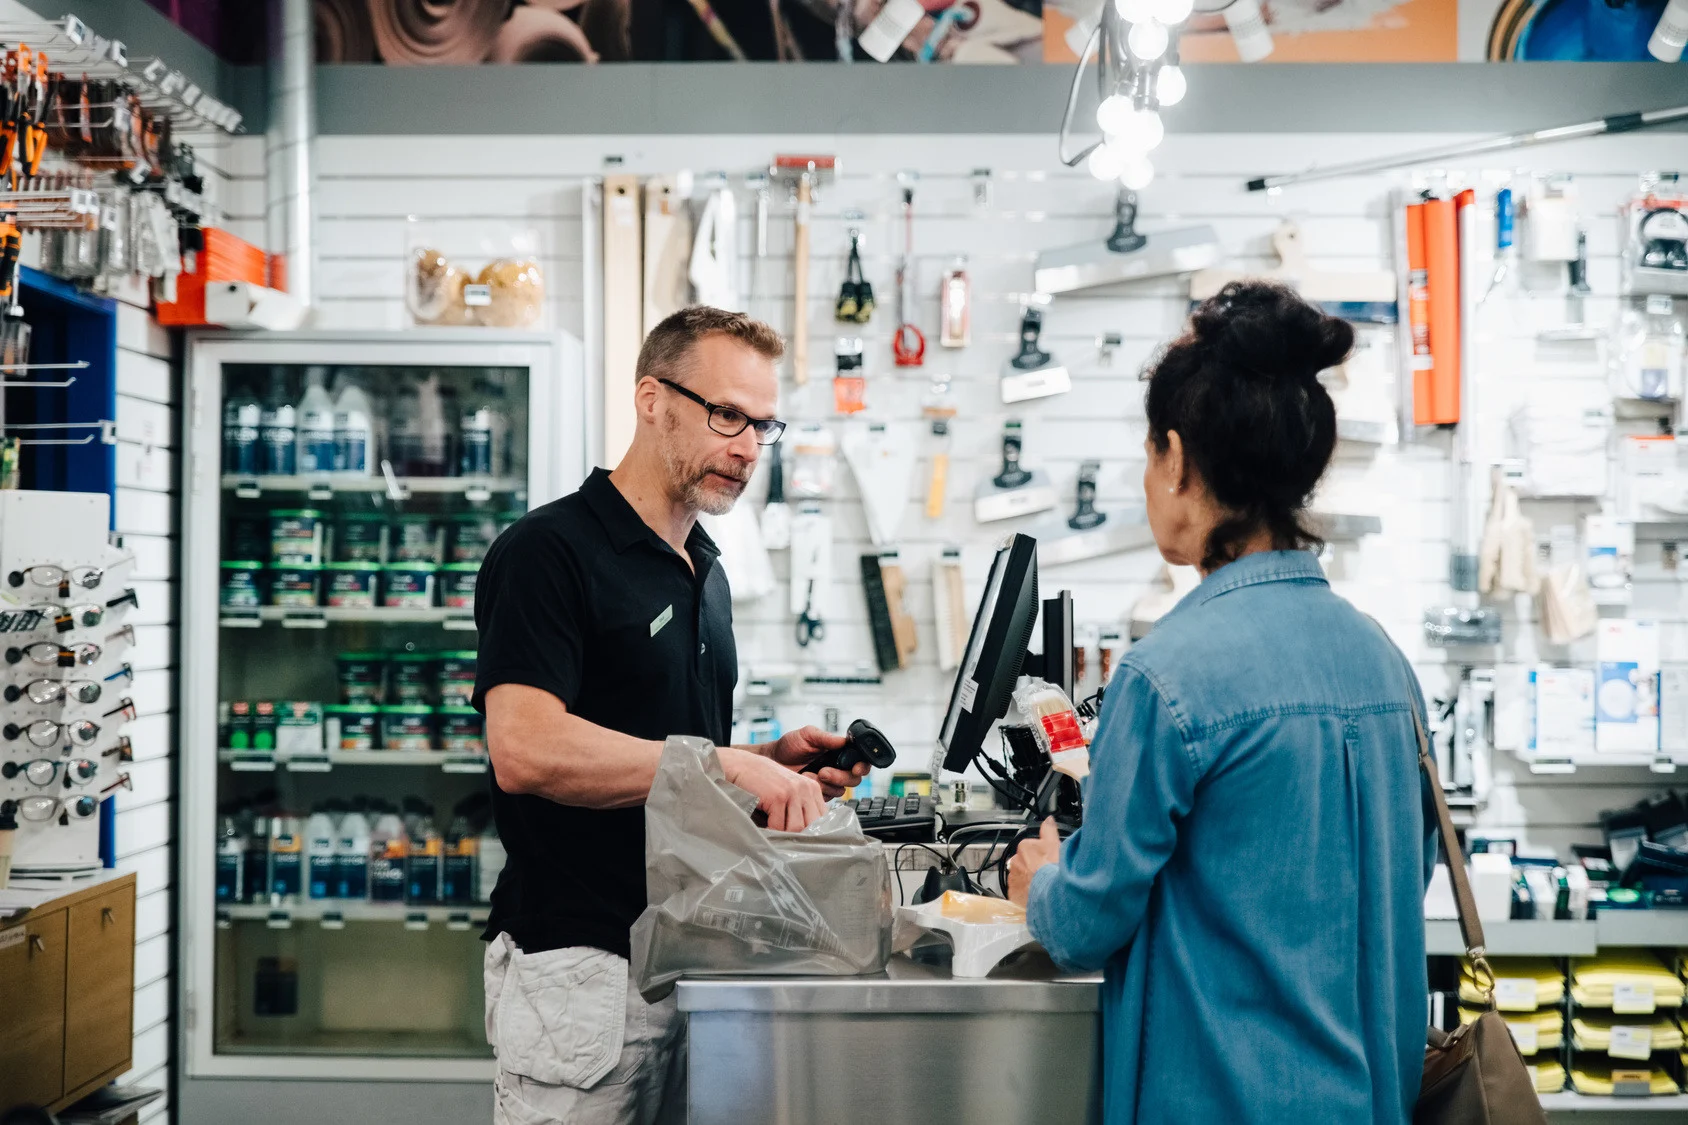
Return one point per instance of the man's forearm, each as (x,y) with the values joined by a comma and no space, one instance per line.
(538,747)
(576,762)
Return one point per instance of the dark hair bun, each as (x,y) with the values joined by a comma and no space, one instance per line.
(1265,329)
(1241,389)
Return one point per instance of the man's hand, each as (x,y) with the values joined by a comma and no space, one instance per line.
(799,747)
(1033,853)
(791,800)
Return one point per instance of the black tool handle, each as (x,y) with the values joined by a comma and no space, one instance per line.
(1031,356)
(1125,238)
(1012,475)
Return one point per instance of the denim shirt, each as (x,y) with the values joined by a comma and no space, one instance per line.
(1251,871)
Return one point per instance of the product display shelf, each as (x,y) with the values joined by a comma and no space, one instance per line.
(1666,763)
(331,913)
(261,761)
(1611,929)
(1571,1102)
(473,488)
(461,620)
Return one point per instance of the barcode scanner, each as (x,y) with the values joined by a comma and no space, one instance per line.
(863,742)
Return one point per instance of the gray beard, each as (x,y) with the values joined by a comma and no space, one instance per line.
(686,487)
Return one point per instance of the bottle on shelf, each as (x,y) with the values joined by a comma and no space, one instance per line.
(242,426)
(457,865)
(315,416)
(278,430)
(389,847)
(287,855)
(322,833)
(255,827)
(422,868)
(355,453)
(485,430)
(351,855)
(417,430)
(231,859)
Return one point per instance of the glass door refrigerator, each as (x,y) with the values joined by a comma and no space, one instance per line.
(337,852)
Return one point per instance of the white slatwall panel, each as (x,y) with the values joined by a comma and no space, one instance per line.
(147,424)
(371,185)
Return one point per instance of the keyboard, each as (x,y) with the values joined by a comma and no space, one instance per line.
(897,819)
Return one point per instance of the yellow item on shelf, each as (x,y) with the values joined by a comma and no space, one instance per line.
(1532,1031)
(1511,989)
(1597,1080)
(979,908)
(1594,1033)
(1549,1077)
(1626,982)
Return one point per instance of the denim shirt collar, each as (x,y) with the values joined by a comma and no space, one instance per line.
(1255,569)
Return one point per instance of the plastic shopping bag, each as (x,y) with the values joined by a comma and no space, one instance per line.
(727,898)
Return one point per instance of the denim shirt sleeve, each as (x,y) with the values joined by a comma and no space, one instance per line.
(1088,906)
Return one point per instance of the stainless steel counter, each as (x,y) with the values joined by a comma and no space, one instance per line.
(912,1044)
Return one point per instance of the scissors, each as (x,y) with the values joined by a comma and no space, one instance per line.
(809,626)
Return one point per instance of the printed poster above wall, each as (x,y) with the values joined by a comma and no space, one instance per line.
(465,32)
(1351,31)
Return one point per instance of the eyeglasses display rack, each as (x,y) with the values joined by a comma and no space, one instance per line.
(338,851)
(63,677)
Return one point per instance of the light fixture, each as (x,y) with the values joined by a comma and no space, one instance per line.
(1134,47)
(1170,85)
(1147,40)
(1106,162)
(1139,133)
(1114,114)
(1137,173)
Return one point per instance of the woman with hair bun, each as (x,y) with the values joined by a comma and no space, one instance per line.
(1252,866)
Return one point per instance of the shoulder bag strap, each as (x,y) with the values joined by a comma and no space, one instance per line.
(1470,925)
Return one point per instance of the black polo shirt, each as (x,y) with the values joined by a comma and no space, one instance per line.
(581,598)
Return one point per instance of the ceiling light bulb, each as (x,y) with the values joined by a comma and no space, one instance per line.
(1172,12)
(1171,85)
(1140,132)
(1114,114)
(1135,11)
(1137,173)
(1106,162)
(1147,40)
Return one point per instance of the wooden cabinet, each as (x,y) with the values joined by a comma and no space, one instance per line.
(32,980)
(99,998)
(67,972)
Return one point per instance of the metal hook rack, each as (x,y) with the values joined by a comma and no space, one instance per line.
(72,47)
(106,436)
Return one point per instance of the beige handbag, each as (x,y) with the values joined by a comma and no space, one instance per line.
(1475,1075)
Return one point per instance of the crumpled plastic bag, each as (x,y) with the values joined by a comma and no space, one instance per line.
(727,898)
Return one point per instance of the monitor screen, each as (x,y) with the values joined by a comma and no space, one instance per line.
(996,648)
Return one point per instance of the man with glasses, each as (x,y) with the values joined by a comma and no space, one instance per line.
(606,626)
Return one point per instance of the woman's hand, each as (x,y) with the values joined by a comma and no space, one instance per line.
(1033,853)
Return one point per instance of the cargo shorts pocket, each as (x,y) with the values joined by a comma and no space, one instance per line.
(561,1015)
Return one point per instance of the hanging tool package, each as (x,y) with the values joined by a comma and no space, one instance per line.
(908,346)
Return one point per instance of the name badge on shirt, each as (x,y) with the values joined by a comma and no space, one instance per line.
(661,619)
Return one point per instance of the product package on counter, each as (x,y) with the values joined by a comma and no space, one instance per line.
(729,898)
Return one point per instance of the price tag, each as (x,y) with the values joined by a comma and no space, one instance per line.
(1632,998)
(1515,994)
(477,296)
(1526,1035)
(1631,1043)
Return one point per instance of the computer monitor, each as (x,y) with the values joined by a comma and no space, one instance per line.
(996,651)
